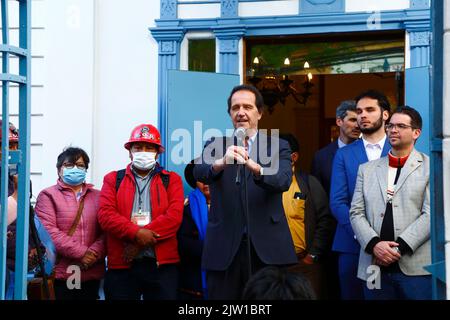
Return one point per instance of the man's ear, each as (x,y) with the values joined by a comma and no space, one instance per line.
(339,122)
(416,134)
(294,157)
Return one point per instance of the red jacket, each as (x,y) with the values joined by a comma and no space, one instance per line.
(115,215)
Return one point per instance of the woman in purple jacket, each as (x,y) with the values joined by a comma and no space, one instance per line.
(68,210)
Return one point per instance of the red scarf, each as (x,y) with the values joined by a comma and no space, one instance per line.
(396,162)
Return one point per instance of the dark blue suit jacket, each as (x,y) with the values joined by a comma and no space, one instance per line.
(268,228)
(323,163)
(343,179)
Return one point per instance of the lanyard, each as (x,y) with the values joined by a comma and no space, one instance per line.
(140,191)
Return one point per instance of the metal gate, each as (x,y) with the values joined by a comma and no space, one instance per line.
(21,157)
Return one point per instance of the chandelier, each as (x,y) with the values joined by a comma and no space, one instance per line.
(275,84)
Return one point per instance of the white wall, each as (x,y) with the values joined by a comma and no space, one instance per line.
(37,79)
(126,79)
(269,8)
(375,5)
(198,11)
(101,73)
(68,82)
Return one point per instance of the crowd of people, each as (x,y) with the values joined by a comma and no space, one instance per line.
(256,225)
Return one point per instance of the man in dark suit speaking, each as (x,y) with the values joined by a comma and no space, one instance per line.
(239,242)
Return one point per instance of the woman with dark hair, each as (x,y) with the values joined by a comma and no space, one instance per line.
(68,210)
(192,279)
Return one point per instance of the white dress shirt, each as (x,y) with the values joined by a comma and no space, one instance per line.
(373,150)
(250,142)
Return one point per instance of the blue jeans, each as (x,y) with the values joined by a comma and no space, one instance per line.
(398,286)
(351,285)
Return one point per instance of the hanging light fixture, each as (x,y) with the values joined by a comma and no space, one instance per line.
(275,85)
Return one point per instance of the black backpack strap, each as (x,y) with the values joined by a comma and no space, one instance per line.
(165,180)
(119,177)
(121,174)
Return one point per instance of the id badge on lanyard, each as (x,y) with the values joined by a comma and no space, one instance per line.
(141,218)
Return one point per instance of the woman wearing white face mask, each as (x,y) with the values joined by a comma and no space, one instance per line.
(68,210)
(141,210)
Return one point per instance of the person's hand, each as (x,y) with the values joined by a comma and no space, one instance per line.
(235,153)
(386,253)
(32,259)
(89,259)
(146,238)
(378,262)
(308,259)
(232,155)
(254,167)
(130,252)
(9,235)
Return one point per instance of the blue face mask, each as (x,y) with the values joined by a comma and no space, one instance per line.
(74,176)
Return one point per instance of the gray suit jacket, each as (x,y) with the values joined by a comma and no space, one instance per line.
(410,205)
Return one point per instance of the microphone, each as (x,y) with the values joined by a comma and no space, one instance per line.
(240,134)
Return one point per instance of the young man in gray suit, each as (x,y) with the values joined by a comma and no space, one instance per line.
(390,215)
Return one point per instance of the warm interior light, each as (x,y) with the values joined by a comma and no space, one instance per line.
(306,65)
(256,60)
(287,62)
(310,76)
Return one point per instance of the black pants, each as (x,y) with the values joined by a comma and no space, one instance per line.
(229,284)
(315,275)
(144,279)
(88,290)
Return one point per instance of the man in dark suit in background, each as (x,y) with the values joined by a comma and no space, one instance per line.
(321,169)
(348,132)
(235,247)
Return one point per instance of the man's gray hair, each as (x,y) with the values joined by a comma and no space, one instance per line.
(347,105)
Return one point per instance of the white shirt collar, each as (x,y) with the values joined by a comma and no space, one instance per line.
(379,144)
(250,142)
(341,144)
(252,138)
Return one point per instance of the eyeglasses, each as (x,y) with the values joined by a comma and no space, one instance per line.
(69,165)
(399,126)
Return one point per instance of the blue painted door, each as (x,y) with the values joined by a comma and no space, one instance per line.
(196,111)
(417,94)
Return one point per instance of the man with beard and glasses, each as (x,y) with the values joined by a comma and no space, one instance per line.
(398,239)
(372,108)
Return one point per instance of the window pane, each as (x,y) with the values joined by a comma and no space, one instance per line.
(326,57)
(202,55)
